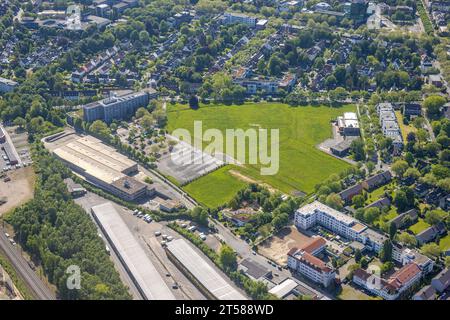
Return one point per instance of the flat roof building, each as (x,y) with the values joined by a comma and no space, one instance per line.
(318,213)
(102,166)
(204,276)
(116,107)
(143,273)
(284,288)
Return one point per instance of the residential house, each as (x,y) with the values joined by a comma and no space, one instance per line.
(426,293)
(431,233)
(380,203)
(348,194)
(399,220)
(442,281)
(377,180)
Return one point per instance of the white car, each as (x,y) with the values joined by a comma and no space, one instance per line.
(157,233)
(169,238)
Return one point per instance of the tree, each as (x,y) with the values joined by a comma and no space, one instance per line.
(386,251)
(193,102)
(357,149)
(371,214)
(433,104)
(386,267)
(20,122)
(364,263)
(334,201)
(100,128)
(358,201)
(400,200)
(200,215)
(358,255)
(227,257)
(412,173)
(392,230)
(370,166)
(433,217)
(407,239)
(147,122)
(431,250)
(399,167)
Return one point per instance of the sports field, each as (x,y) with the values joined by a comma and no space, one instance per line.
(302,165)
(216,188)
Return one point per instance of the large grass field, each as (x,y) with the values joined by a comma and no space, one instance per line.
(216,188)
(302,165)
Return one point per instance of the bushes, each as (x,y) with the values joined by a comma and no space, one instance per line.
(57,233)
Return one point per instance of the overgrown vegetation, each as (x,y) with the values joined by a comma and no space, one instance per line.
(57,233)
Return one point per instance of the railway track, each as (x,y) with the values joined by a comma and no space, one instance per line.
(38,288)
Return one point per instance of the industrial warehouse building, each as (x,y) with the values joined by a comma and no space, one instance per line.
(141,270)
(208,280)
(103,166)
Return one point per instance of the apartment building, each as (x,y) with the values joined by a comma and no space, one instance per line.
(116,107)
(232,17)
(317,213)
(304,260)
(392,288)
(389,125)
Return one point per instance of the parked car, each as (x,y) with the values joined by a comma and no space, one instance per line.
(157,233)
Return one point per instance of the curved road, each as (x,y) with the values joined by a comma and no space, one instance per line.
(38,288)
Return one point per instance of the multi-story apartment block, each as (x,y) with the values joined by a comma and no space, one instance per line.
(389,125)
(115,107)
(232,17)
(304,261)
(338,222)
(393,287)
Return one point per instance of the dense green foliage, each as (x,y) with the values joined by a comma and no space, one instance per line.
(57,233)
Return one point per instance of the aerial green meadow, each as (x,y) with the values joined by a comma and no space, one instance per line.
(216,188)
(302,165)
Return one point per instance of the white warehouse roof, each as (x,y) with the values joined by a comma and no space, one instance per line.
(139,266)
(284,288)
(202,271)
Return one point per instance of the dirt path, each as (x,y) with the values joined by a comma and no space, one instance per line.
(244,178)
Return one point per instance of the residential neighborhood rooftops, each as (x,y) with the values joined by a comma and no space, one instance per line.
(377,180)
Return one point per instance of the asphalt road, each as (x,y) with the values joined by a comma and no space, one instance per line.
(39,289)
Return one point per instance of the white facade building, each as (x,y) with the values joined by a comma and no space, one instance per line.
(338,222)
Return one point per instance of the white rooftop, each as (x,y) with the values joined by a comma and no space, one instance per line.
(284,288)
(202,271)
(131,253)
(317,206)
